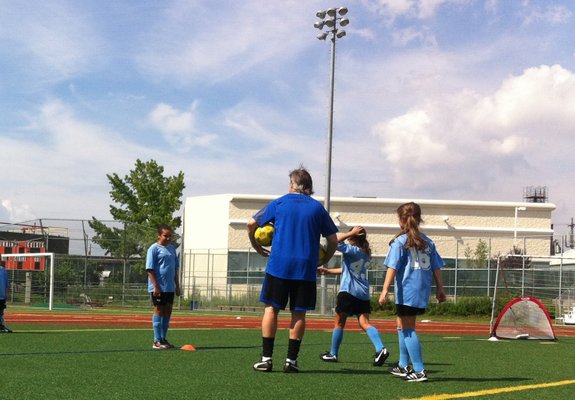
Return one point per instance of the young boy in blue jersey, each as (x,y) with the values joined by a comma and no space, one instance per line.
(412,262)
(299,223)
(4,292)
(353,296)
(163,283)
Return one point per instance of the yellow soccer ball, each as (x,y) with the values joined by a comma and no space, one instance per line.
(264,235)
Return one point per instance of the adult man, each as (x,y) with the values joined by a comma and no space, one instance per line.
(299,222)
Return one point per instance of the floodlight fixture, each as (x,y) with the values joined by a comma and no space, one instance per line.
(344,22)
(319,24)
(331,12)
(342,11)
(330,23)
(320,14)
(341,33)
(322,36)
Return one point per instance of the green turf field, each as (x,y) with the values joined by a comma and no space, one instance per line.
(39,362)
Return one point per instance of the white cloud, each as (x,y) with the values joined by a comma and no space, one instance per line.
(554,14)
(11,213)
(473,141)
(179,127)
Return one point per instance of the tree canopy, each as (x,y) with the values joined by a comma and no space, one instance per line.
(143,200)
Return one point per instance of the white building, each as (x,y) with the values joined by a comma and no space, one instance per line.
(216,246)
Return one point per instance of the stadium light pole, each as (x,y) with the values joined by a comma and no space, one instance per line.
(333,20)
(517,209)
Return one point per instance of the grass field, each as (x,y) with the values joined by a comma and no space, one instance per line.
(75,362)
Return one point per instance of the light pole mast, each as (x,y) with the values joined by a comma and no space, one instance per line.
(330,18)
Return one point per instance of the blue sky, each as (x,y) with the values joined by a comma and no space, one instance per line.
(436,99)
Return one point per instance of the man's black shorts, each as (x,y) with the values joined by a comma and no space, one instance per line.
(2,304)
(351,305)
(163,298)
(277,291)
(407,311)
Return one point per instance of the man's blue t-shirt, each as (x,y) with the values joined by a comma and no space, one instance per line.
(299,222)
(354,271)
(163,260)
(414,270)
(3,283)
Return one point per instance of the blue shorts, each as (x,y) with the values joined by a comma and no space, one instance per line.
(276,292)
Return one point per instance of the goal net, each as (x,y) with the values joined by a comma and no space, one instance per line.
(524,318)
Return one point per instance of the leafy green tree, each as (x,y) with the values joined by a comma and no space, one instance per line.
(477,257)
(143,200)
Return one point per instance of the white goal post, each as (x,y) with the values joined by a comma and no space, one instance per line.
(51,255)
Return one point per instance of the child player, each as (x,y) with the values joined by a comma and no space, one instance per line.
(353,296)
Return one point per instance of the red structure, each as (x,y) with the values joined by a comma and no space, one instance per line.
(23,247)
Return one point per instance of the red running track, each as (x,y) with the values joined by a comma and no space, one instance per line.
(243,322)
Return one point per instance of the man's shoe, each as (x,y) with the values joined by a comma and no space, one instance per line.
(328,357)
(159,345)
(400,371)
(291,366)
(167,344)
(416,376)
(5,329)
(264,366)
(380,357)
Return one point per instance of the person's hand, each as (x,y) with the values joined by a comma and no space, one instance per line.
(178,291)
(322,270)
(383,297)
(156,291)
(440,296)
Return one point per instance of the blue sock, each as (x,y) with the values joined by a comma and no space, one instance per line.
(336,338)
(414,349)
(373,335)
(165,325)
(403,354)
(157,325)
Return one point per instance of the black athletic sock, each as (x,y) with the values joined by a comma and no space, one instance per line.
(293,349)
(268,346)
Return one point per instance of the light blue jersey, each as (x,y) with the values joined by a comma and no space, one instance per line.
(354,271)
(163,260)
(3,283)
(414,271)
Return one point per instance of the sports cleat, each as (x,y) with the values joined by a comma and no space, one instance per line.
(5,329)
(167,344)
(380,357)
(291,366)
(400,371)
(328,357)
(264,366)
(159,345)
(416,376)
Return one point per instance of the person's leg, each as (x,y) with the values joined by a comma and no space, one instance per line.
(165,319)
(269,329)
(403,353)
(337,334)
(371,331)
(157,325)
(412,343)
(381,353)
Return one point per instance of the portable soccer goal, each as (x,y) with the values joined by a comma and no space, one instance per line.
(524,318)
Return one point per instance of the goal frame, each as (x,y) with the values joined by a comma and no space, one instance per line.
(51,271)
